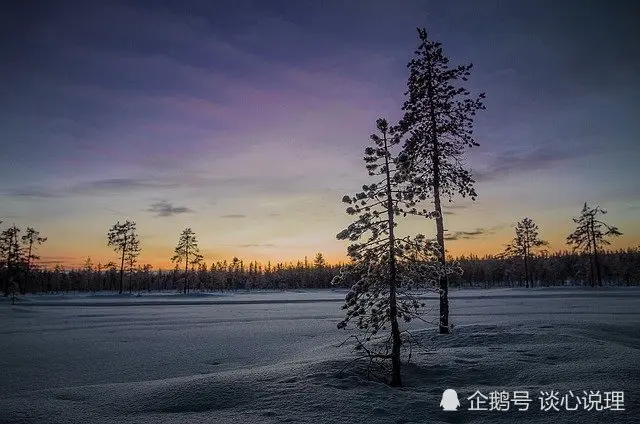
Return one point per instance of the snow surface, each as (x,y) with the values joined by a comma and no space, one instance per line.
(271,357)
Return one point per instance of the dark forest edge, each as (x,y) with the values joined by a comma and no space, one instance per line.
(619,268)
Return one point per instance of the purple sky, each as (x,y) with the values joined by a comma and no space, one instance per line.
(246,120)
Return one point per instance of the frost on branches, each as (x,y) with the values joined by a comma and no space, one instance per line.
(368,302)
(438,124)
(387,272)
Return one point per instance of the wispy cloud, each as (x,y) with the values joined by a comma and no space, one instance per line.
(90,188)
(466,235)
(118,185)
(512,162)
(250,245)
(32,192)
(234,216)
(451,209)
(165,209)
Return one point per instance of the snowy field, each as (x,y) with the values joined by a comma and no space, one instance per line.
(271,357)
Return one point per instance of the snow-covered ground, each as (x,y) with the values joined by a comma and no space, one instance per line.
(271,357)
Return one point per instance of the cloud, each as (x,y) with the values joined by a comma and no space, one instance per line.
(117,185)
(511,162)
(89,188)
(245,246)
(466,235)
(449,209)
(32,192)
(164,209)
(234,216)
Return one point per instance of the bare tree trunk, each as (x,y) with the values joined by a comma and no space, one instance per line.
(443,283)
(396,377)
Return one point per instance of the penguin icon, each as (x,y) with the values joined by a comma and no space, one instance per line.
(450,400)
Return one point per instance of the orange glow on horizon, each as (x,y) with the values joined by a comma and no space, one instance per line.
(159,259)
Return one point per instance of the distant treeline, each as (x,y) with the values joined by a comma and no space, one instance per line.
(219,276)
(621,267)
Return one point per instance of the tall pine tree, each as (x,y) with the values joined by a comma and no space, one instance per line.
(438,125)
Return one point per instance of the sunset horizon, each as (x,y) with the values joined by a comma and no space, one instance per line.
(248,123)
(159,256)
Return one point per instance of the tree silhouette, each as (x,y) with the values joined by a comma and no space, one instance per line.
(131,258)
(438,123)
(187,248)
(524,245)
(318,261)
(590,234)
(12,256)
(31,239)
(385,267)
(124,239)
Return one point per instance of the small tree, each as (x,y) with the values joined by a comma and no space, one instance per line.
(524,245)
(187,250)
(590,234)
(319,261)
(438,121)
(385,267)
(12,256)
(124,239)
(31,240)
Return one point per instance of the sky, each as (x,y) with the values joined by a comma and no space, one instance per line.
(246,120)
